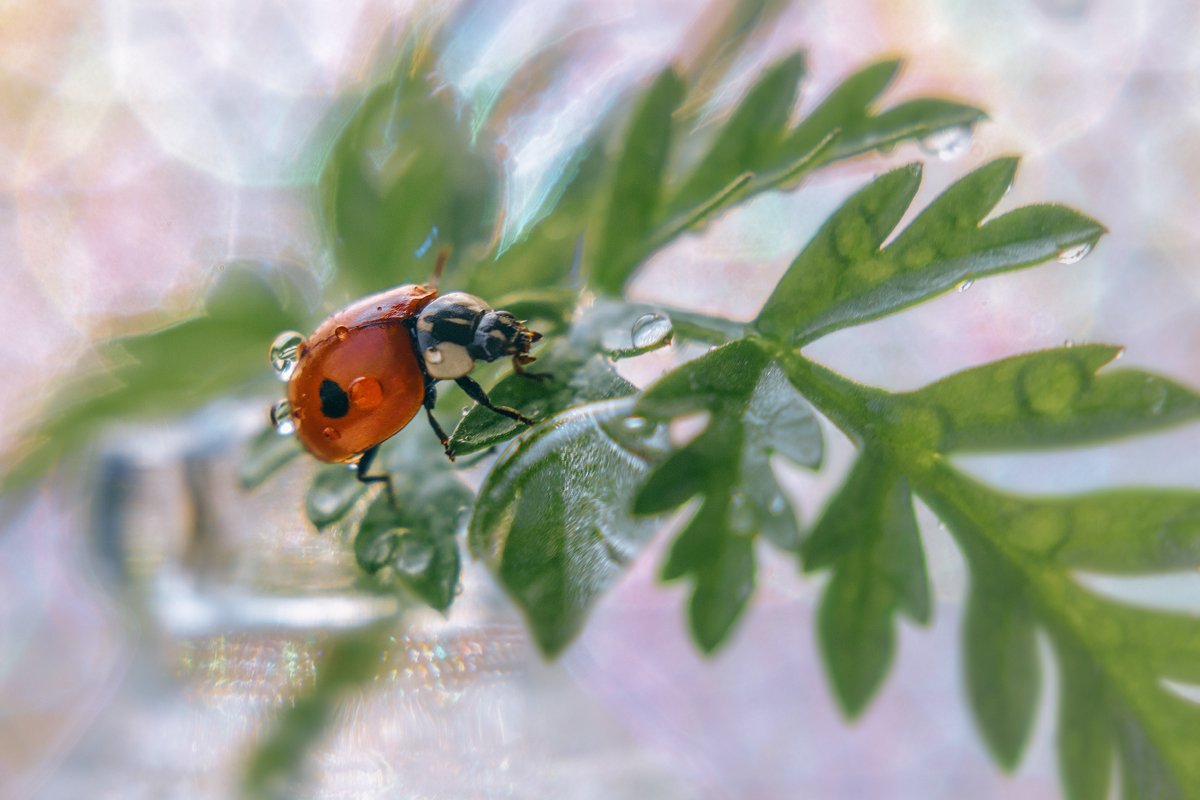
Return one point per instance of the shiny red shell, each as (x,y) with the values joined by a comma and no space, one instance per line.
(357,381)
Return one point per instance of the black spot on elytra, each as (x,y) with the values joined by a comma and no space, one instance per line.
(335,403)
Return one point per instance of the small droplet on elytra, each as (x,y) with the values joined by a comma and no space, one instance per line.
(1073,255)
(281,418)
(331,434)
(342,333)
(285,353)
(366,393)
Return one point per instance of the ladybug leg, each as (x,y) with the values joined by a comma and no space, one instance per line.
(364,464)
(476,393)
(430,402)
(519,363)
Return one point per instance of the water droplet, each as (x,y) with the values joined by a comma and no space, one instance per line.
(366,393)
(433,356)
(1120,354)
(967,284)
(285,353)
(777,505)
(651,330)
(325,502)
(1073,255)
(1155,393)
(458,588)
(1068,343)
(635,423)
(465,410)
(342,333)
(331,434)
(948,143)
(413,554)
(741,515)
(281,418)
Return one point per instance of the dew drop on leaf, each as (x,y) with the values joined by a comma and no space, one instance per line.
(967,284)
(948,143)
(1073,255)
(281,418)
(650,330)
(413,554)
(325,502)
(1155,394)
(285,354)
(741,515)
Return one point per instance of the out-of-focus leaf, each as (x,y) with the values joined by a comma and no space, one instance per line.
(634,198)
(847,111)
(753,412)
(1002,673)
(333,492)
(552,522)
(415,540)
(548,254)
(168,371)
(1051,399)
(265,454)
(349,661)
(1123,657)
(868,535)
(404,179)
(843,277)
(749,141)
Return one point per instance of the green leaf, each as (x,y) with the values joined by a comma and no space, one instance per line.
(1002,674)
(414,542)
(333,492)
(580,368)
(847,111)
(169,371)
(869,535)
(634,197)
(265,454)
(349,660)
(1086,745)
(403,180)
(748,141)
(843,277)
(1121,656)
(1053,398)
(753,413)
(856,631)
(552,517)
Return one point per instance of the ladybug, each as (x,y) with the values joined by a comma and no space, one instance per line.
(367,370)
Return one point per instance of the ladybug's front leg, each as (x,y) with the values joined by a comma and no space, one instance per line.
(476,393)
(430,402)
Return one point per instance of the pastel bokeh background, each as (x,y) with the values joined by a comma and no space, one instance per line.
(143,145)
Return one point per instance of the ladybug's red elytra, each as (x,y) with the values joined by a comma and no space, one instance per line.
(367,370)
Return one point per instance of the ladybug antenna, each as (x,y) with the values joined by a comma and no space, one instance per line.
(439,266)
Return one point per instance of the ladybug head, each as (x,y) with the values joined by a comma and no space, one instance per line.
(500,334)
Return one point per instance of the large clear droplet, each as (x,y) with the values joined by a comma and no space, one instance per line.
(650,330)
(285,354)
(1073,255)
(948,143)
(281,418)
